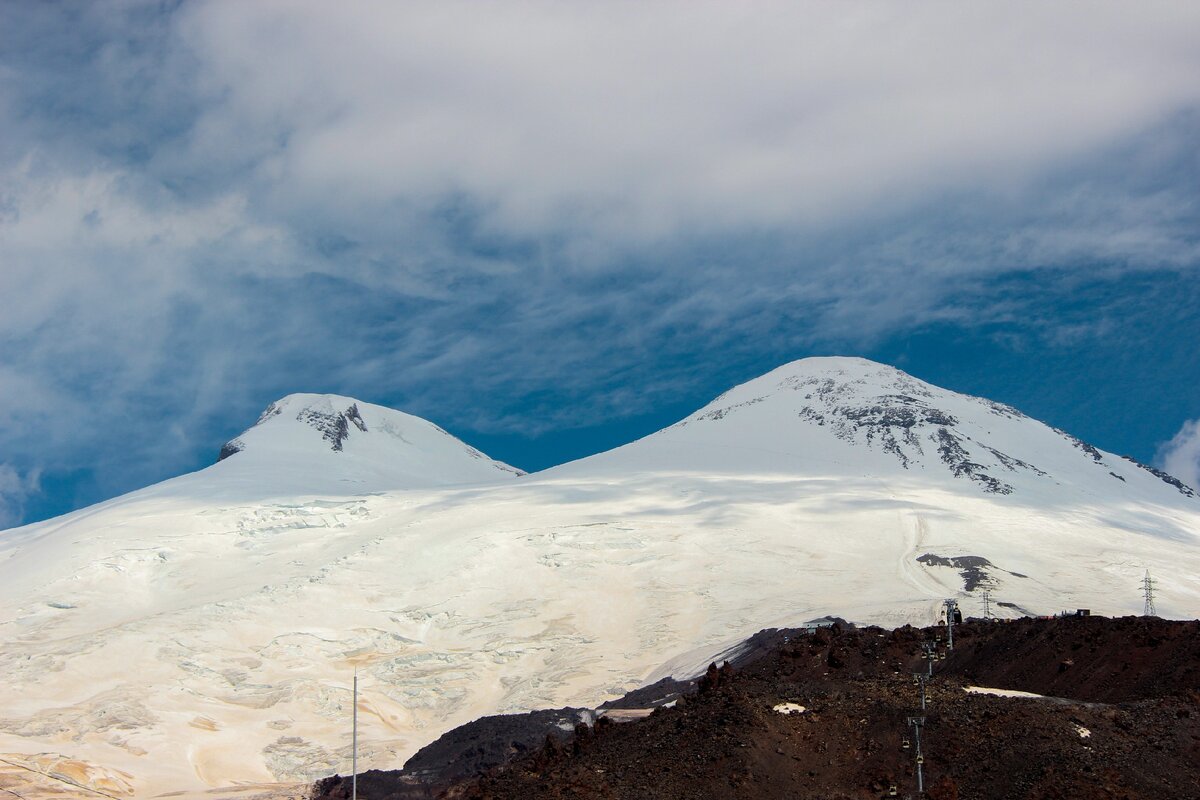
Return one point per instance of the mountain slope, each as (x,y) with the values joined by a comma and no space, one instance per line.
(852,416)
(246,594)
(316,442)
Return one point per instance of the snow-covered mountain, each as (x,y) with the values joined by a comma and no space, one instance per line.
(310,442)
(850,416)
(203,632)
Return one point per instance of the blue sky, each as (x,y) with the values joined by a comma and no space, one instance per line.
(553,228)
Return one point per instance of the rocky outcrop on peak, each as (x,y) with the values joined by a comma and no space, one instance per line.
(334,426)
(1078,443)
(883,409)
(1165,477)
(956,457)
(272,410)
(232,447)
(878,410)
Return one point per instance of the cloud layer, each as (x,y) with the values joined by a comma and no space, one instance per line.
(638,121)
(533,216)
(1181,455)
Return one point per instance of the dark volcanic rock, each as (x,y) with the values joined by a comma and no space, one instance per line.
(334,426)
(489,741)
(1121,720)
(1167,478)
(1095,454)
(955,456)
(656,694)
(852,741)
(232,447)
(464,752)
(973,569)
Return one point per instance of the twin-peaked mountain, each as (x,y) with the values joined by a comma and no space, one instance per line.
(203,632)
(832,414)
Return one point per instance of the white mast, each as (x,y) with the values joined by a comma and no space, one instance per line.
(354,743)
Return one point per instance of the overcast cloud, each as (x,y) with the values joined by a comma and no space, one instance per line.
(561,208)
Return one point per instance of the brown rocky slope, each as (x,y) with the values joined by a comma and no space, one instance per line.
(1122,720)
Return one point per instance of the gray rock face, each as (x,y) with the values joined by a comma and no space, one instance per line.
(334,427)
(232,447)
(955,456)
(902,424)
(1166,478)
(922,427)
(975,570)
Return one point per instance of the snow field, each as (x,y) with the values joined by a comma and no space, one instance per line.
(203,632)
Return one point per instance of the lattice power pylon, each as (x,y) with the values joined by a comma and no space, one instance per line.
(1148,589)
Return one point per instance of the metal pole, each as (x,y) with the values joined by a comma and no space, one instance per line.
(950,624)
(354,744)
(920,764)
(917,722)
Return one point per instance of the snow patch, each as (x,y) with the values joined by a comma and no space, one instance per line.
(1000,692)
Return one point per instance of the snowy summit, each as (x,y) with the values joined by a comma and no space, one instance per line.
(854,417)
(314,439)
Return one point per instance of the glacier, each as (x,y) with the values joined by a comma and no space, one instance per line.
(201,633)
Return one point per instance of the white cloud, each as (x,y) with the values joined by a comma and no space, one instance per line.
(643,120)
(1181,455)
(15,488)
